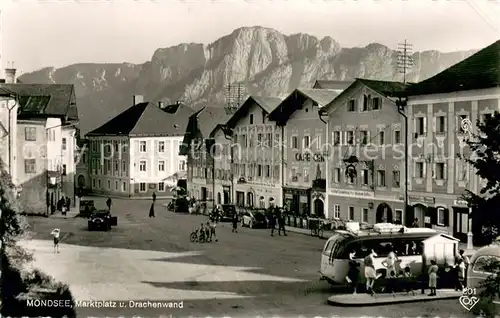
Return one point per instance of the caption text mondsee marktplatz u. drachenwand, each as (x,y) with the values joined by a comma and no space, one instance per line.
(106,304)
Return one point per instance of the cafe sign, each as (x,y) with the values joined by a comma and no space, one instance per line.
(316,157)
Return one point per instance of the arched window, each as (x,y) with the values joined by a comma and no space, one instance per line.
(250,202)
(262,202)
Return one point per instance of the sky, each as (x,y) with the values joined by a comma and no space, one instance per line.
(43,33)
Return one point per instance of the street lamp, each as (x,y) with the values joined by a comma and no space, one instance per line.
(402,103)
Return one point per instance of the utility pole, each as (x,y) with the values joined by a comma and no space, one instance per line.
(234,95)
(405,62)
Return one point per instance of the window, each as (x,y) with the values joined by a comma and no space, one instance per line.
(381,138)
(306,174)
(397,136)
(93,183)
(260,140)
(440,171)
(259,170)
(421,128)
(142,187)
(366,102)
(461,119)
(318,142)
(124,166)
(351,213)
(269,139)
(142,146)
(264,116)
(116,185)
(364,176)
(161,146)
(398,217)
(441,217)
(350,175)
(182,165)
(336,175)
(351,105)
(306,142)
(364,215)
(336,138)
(381,178)
(485,264)
(364,137)
(396,177)
(116,146)
(109,185)
(419,170)
(99,183)
(376,103)
(336,211)
(161,186)
(295,142)
(441,124)
(268,171)
(30,133)
(29,165)
(251,119)
(124,186)
(142,165)
(350,138)
(161,165)
(293,175)
(64,144)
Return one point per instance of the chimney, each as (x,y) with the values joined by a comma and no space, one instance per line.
(138,99)
(10,75)
(160,104)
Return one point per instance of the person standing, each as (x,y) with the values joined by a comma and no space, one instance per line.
(152,210)
(370,272)
(235,223)
(390,262)
(466,262)
(281,223)
(433,269)
(154,196)
(272,220)
(108,204)
(55,234)
(68,203)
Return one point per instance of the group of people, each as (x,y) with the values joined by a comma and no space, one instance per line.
(393,271)
(64,204)
(206,232)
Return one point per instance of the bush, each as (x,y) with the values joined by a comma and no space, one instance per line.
(18,285)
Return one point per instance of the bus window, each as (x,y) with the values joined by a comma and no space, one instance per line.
(361,251)
(333,248)
(328,247)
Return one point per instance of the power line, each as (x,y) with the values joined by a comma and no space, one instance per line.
(405,60)
(235,93)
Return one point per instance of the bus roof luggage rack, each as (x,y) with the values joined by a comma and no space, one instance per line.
(389,228)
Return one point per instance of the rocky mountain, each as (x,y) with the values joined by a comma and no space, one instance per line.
(264,61)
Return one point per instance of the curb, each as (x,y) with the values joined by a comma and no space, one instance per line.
(348,300)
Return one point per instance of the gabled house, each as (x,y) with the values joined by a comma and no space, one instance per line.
(136,153)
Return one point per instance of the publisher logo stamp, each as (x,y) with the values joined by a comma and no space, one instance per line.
(468,299)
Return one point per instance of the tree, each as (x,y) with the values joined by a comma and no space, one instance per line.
(485,158)
(17,285)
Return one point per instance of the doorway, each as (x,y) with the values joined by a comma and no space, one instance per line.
(319,208)
(81,181)
(419,212)
(460,223)
(384,213)
(203,194)
(226,197)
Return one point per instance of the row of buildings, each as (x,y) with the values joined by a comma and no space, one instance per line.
(365,150)
(38,141)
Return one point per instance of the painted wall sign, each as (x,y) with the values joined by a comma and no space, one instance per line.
(417,199)
(317,157)
(461,203)
(352,193)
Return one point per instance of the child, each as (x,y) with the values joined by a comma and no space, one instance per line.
(55,233)
(353,275)
(433,269)
(391,282)
(370,272)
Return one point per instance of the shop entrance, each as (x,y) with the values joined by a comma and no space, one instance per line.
(319,208)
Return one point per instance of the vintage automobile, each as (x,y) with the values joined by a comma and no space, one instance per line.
(86,208)
(254,219)
(101,220)
(228,210)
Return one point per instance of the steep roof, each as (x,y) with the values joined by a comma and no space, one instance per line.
(45,99)
(210,116)
(267,104)
(385,88)
(480,70)
(146,119)
(282,112)
(336,85)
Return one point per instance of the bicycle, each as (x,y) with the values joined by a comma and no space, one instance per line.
(195,238)
(318,229)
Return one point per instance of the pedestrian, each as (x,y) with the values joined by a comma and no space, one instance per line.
(55,234)
(281,223)
(108,203)
(353,273)
(390,262)
(272,221)
(154,197)
(68,203)
(460,273)
(415,223)
(212,231)
(370,273)
(433,270)
(235,223)
(466,262)
(152,211)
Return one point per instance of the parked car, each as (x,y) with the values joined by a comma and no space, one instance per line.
(479,268)
(86,208)
(254,219)
(102,220)
(228,210)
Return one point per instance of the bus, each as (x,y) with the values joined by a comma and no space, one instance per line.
(406,242)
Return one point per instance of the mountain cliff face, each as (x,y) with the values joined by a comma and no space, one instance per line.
(263,60)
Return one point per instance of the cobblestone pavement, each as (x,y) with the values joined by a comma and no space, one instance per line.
(245,274)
